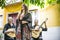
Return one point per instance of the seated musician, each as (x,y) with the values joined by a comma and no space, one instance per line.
(36,27)
(8,26)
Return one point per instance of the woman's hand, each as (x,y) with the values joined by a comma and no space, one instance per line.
(23,22)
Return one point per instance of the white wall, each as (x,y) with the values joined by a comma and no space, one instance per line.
(52,33)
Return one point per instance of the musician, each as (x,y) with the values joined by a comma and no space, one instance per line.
(36,27)
(23,21)
(6,27)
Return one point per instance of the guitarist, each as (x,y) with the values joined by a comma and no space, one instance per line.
(37,28)
(6,27)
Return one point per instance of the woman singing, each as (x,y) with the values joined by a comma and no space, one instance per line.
(23,24)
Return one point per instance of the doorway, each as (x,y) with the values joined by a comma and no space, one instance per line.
(14,16)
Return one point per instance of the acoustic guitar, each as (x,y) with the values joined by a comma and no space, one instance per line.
(36,32)
(11,32)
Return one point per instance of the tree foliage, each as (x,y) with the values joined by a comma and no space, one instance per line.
(2,3)
(40,3)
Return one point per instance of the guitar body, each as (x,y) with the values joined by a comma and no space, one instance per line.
(11,32)
(36,33)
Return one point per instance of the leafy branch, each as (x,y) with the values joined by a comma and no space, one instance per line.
(40,3)
(2,3)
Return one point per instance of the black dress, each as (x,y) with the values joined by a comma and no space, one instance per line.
(6,27)
(24,28)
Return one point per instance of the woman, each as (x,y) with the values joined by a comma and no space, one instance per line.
(23,24)
(8,26)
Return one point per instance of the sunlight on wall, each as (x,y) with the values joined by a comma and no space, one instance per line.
(9,9)
(53,14)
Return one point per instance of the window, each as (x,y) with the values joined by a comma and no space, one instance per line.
(1,21)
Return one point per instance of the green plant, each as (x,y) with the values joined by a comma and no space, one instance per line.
(1,36)
(40,3)
(2,3)
(58,1)
(35,2)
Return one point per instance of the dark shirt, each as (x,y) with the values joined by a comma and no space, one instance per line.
(27,17)
(6,27)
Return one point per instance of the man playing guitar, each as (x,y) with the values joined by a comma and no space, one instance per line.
(37,30)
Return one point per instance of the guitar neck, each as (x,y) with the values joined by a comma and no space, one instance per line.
(40,26)
(43,23)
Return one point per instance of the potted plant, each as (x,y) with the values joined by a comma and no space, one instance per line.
(1,36)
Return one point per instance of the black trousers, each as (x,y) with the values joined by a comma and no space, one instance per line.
(37,38)
(21,33)
(6,37)
(9,38)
